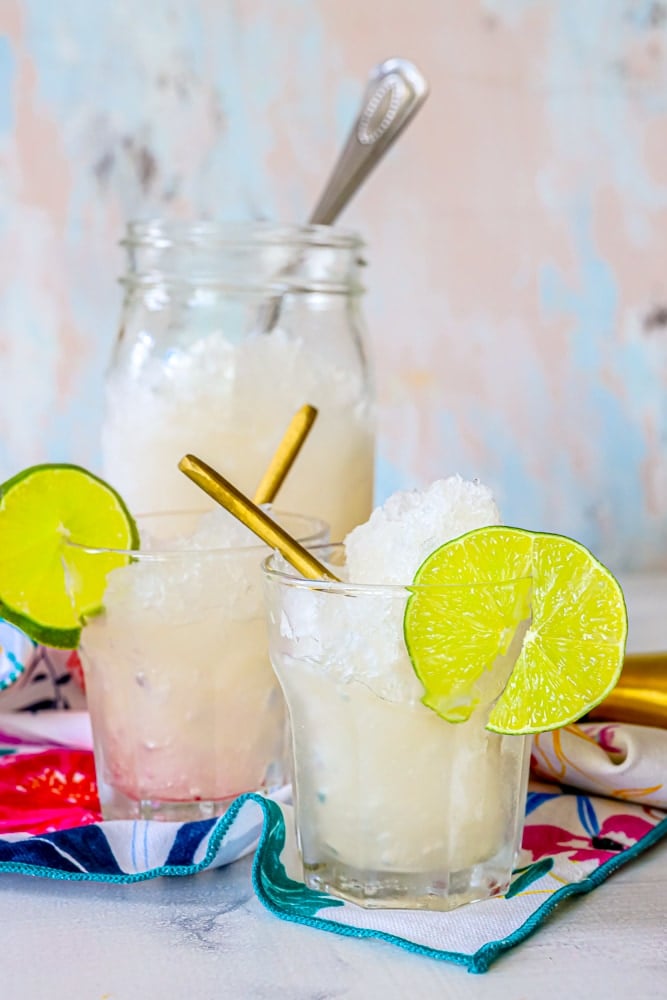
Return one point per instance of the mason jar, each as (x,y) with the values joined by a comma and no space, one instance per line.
(226,331)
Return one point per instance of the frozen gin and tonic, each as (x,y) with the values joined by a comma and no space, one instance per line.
(413,683)
(168,614)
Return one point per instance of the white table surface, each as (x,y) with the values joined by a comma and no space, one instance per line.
(206,936)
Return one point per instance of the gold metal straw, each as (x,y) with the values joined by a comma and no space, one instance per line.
(285,454)
(227,495)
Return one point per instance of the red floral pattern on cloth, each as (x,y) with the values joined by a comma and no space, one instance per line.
(50,790)
(614,834)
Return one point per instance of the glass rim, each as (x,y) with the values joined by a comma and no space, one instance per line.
(292,579)
(317,528)
(165,233)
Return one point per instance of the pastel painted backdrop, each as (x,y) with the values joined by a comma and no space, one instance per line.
(517,235)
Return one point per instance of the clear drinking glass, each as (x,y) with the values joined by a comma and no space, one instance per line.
(395,807)
(226,331)
(185,710)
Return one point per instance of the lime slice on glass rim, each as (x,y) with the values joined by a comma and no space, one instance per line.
(571,654)
(47,584)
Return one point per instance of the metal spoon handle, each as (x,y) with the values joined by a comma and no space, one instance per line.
(394,93)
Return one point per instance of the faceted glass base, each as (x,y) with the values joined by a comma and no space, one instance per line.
(116,805)
(409,890)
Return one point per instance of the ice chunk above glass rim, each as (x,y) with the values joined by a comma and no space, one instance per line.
(385,551)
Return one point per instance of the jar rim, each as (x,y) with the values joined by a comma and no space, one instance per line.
(164,233)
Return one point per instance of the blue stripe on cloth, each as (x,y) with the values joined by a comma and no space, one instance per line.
(66,851)
(535,799)
(587,816)
(87,846)
(35,853)
(134,847)
(187,840)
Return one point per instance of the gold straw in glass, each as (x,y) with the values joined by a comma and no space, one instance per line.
(285,454)
(227,495)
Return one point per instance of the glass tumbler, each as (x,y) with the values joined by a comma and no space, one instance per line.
(185,710)
(395,807)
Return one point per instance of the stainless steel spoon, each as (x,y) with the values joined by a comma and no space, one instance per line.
(395,92)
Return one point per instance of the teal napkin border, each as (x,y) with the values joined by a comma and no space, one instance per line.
(293,901)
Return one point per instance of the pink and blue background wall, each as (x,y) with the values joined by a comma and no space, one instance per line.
(517,235)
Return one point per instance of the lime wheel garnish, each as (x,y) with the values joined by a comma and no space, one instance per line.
(570,656)
(50,516)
